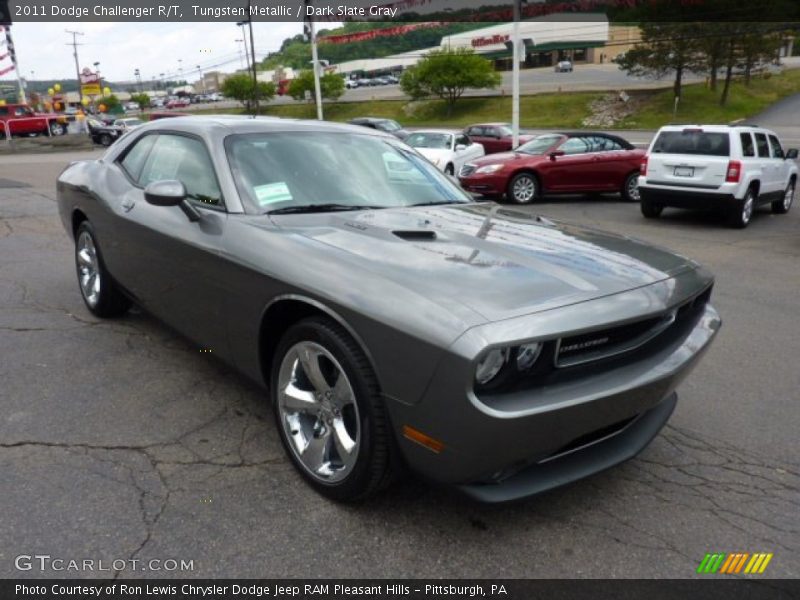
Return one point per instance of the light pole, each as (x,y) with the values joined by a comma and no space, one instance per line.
(515,47)
(202,83)
(180,69)
(244,41)
(241,56)
(160,80)
(138,79)
(75,45)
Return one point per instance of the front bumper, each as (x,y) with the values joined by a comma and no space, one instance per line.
(553,435)
(491,184)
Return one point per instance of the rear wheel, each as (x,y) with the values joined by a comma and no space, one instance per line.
(523,188)
(650,209)
(57,129)
(781,207)
(329,412)
(630,189)
(98,289)
(105,139)
(742,211)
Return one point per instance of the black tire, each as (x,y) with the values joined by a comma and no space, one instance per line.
(650,209)
(105,140)
(741,213)
(450,170)
(374,467)
(782,206)
(520,180)
(110,302)
(630,188)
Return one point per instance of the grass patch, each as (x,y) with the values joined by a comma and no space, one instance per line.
(701,105)
(540,111)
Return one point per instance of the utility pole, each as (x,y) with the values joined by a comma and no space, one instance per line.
(311,33)
(75,45)
(515,47)
(253,54)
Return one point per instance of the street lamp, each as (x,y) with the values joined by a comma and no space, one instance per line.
(202,83)
(241,56)
(138,79)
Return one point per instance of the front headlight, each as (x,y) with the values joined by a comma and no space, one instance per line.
(490,365)
(501,366)
(489,169)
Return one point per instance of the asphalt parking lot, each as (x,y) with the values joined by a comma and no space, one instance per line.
(121,440)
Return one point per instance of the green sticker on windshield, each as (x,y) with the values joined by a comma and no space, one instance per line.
(271,193)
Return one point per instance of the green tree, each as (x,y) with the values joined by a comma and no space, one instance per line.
(447,74)
(331,85)
(143,100)
(240,87)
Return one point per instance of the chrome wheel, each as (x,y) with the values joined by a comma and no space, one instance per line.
(632,188)
(318,412)
(788,198)
(747,209)
(88,269)
(523,190)
(56,129)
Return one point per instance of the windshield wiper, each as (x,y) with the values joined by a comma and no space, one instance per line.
(438,202)
(317,208)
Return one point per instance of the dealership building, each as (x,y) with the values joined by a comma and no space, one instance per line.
(546,40)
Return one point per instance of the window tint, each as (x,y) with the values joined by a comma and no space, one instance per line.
(777,151)
(575,145)
(135,157)
(185,159)
(693,141)
(748,149)
(762,145)
(463,140)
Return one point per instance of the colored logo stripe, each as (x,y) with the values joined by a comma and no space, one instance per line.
(733,563)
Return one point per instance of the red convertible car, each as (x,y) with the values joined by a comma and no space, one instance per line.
(557,163)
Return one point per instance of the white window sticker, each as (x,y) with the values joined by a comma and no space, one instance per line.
(271,193)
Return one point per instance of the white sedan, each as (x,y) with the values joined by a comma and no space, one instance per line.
(128,124)
(448,151)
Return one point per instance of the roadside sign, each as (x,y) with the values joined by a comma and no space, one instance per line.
(91,89)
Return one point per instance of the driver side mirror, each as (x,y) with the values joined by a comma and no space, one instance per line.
(165,193)
(792,153)
(460,147)
(555,154)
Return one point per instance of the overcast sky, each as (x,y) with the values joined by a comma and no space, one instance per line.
(152,47)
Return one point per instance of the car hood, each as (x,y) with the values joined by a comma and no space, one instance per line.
(432,154)
(497,262)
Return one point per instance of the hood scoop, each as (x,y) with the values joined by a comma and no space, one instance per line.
(423,235)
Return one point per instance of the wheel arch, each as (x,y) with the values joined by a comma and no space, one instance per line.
(78,217)
(284,311)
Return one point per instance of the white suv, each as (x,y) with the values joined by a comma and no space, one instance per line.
(731,168)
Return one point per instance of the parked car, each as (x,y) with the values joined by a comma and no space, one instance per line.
(132,107)
(103,134)
(730,169)
(387,125)
(155,116)
(564,66)
(494,137)
(157,103)
(446,150)
(486,349)
(581,162)
(128,123)
(351,84)
(177,103)
(22,120)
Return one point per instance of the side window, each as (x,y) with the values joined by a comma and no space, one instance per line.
(748,149)
(134,159)
(575,145)
(777,151)
(462,140)
(762,145)
(3,111)
(185,159)
(478,131)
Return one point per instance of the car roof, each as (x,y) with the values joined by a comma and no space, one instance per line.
(498,124)
(239,124)
(451,132)
(714,128)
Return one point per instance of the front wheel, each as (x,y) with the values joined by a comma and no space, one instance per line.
(630,189)
(782,206)
(523,188)
(450,170)
(99,291)
(105,139)
(329,412)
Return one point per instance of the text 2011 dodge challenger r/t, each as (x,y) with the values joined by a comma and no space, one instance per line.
(393,320)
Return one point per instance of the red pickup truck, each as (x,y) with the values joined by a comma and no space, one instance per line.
(21,119)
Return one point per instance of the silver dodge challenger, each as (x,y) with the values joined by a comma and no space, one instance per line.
(394,322)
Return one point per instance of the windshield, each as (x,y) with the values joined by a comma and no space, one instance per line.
(539,144)
(439,141)
(285,170)
(389,125)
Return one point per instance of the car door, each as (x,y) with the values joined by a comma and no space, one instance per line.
(780,166)
(570,172)
(174,266)
(469,151)
(766,165)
